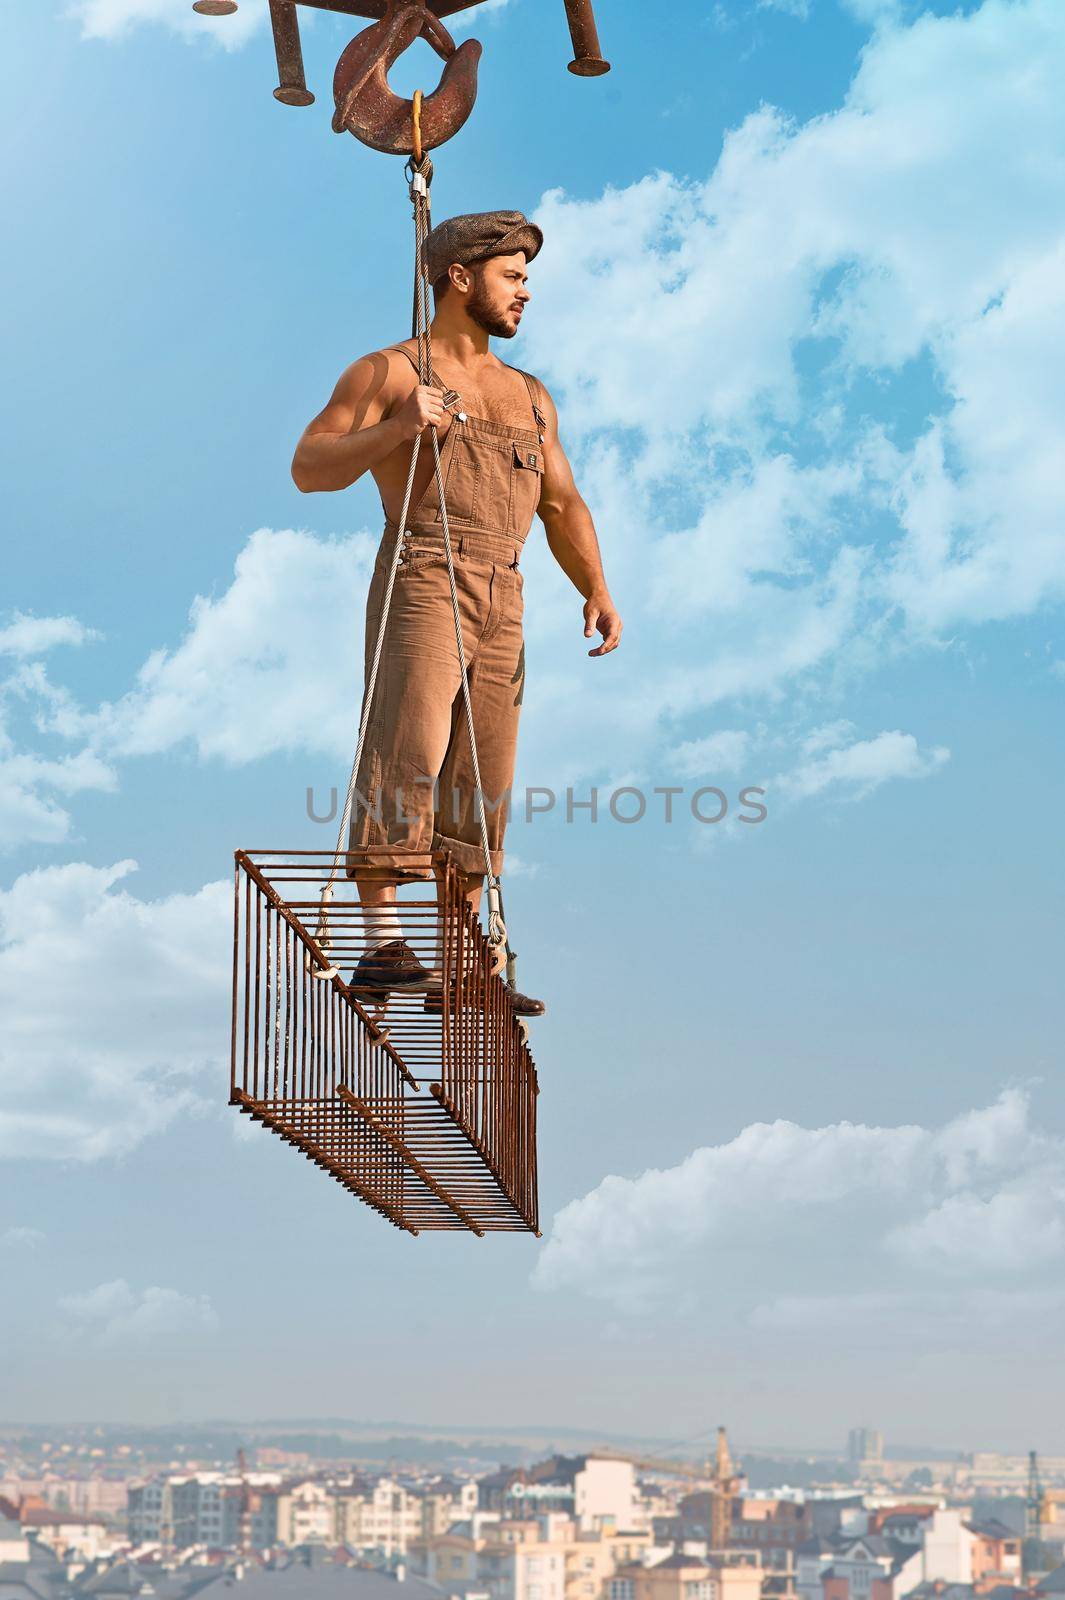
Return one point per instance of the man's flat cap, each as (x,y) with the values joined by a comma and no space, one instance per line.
(477,236)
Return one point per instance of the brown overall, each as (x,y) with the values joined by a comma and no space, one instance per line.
(416,788)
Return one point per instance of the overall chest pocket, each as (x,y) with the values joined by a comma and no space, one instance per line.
(462,483)
(493,482)
(477,485)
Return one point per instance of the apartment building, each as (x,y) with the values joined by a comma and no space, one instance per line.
(990,1469)
(14,1546)
(386,1517)
(204,1509)
(684,1576)
(380,1517)
(71,1536)
(861,1569)
(903,1550)
(954,1549)
(306,1513)
(773,1528)
(537,1558)
(865,1445)
(445,1502)
(67,1533)
(593,1558)
(448,1560)
(597,1491)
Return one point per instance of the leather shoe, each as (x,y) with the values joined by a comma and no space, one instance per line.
(391,966)
(523,1005)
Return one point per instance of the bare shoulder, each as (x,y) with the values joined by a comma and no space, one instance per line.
(366,391)
(380,373)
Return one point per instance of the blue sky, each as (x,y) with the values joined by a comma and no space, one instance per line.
(802,1132)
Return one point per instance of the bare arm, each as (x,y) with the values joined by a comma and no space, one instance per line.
(572,539)
(367,417)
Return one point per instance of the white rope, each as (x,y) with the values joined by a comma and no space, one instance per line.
(497,932)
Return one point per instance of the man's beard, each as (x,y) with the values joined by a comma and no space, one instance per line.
(480,311)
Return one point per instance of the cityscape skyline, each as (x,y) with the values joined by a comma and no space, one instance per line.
(79,1518)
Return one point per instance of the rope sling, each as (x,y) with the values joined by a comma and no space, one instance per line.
(419,172)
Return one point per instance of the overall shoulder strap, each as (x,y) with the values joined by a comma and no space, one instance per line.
(413,359)
(535,389)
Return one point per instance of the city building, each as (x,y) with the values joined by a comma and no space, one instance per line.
(905,1548)
(550,1557)
(14,1545)
(596,1490)
(208,1509)
(386,1517)
(306,1513)
(865,1444)
(604,1493)
(682,1576)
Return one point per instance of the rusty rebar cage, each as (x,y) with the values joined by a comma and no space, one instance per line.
(428,1115)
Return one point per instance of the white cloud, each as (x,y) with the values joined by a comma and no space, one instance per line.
(791,8)
(722,752)
(520,867)
(28,812)
(30,781)
(20,1238)
(836,1214)
(114,1009)
(920,223)
(862,766)
(115,19)
(27,635)
(1022,1224)
(274,663)
(115,1314)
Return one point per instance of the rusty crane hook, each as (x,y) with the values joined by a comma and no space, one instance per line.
(367,107)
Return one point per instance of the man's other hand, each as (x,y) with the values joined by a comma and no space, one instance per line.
(599,613)
(423,406)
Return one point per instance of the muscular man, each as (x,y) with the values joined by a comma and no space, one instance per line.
(502,462)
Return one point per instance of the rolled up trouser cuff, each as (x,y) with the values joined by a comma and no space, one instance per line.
(469,858)
(367,860)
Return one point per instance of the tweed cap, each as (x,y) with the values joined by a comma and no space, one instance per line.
(478,235)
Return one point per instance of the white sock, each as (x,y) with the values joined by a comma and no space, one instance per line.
(382,925)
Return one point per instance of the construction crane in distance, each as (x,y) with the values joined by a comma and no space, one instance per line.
(1035,1500)
(717,1473)
(247,1503)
